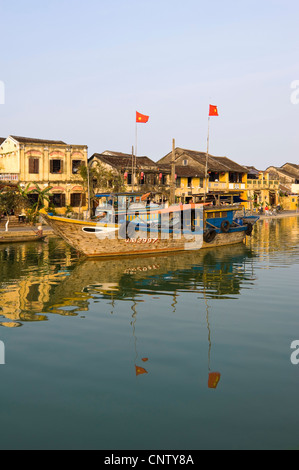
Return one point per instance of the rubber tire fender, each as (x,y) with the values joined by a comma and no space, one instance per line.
(225,226)
(209,235)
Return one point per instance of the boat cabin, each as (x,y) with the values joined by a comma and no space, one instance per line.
(118,207)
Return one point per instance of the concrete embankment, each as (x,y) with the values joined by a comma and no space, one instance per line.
(24,231)
(280,215)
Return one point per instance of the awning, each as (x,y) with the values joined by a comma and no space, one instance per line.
(235,198)
(239,199)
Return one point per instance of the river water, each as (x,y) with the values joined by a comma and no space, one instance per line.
(189,351)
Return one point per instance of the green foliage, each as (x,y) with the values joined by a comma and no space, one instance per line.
(101,179)
(10,200)
(43,196)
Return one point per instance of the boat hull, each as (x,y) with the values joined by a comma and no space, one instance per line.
(20,238)
(97,245)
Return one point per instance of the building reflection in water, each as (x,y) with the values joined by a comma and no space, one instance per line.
(29,273)
(39,279)
(48,279)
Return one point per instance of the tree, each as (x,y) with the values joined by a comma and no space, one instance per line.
(98,178)
(43,195)
(10,201)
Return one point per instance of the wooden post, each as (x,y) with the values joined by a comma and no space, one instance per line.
(133,171)
(172,181)
(88,190)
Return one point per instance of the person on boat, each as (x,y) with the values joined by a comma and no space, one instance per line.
(39,232)
(266,210)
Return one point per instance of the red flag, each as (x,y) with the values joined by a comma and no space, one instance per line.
(141,117)
(213,110)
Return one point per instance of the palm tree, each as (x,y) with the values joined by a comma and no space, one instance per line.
(43,195)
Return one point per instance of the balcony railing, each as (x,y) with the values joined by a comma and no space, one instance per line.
(237,186)
(9,177)
(218,186)
(262,184)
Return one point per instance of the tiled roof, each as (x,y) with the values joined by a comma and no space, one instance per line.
(231,165)
(252,170)
(123,160)
(217,164)
(2,139)
(282,171)
(182,171)
(29,140)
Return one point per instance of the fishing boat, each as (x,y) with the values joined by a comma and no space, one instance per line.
(122,204)
(15,237)
(153,230)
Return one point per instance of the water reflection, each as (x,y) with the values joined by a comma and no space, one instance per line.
(217,274)
(38,281)
(29,274)
(41,279)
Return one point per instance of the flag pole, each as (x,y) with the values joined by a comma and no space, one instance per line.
(207,158)
(136,140)
(133,171)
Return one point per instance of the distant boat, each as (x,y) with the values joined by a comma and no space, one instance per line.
(20,238)
(158,230)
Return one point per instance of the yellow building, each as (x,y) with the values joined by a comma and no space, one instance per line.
(139,174)
(47,163)
(226,181)
(263,188)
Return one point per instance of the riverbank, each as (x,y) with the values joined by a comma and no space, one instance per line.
(281,215)
(25,230)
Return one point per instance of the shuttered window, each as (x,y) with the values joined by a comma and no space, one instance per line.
(58,200)
(78,199)
(33,166)
(56,166)
(75,166)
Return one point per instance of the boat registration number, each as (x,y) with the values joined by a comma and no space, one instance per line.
(143,241)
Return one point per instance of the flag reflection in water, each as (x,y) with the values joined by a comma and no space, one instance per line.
(214,379)
(140,371)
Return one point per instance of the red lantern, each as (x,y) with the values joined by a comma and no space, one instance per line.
(160,176)
(126,175)
(176,177)
(142,175)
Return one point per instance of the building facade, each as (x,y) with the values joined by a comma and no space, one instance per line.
(46,163)
(226,181)
(136,173)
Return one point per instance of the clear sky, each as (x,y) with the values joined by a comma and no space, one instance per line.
(79,70)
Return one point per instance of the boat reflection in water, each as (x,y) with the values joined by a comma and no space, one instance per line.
(37,284)
(215,274)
